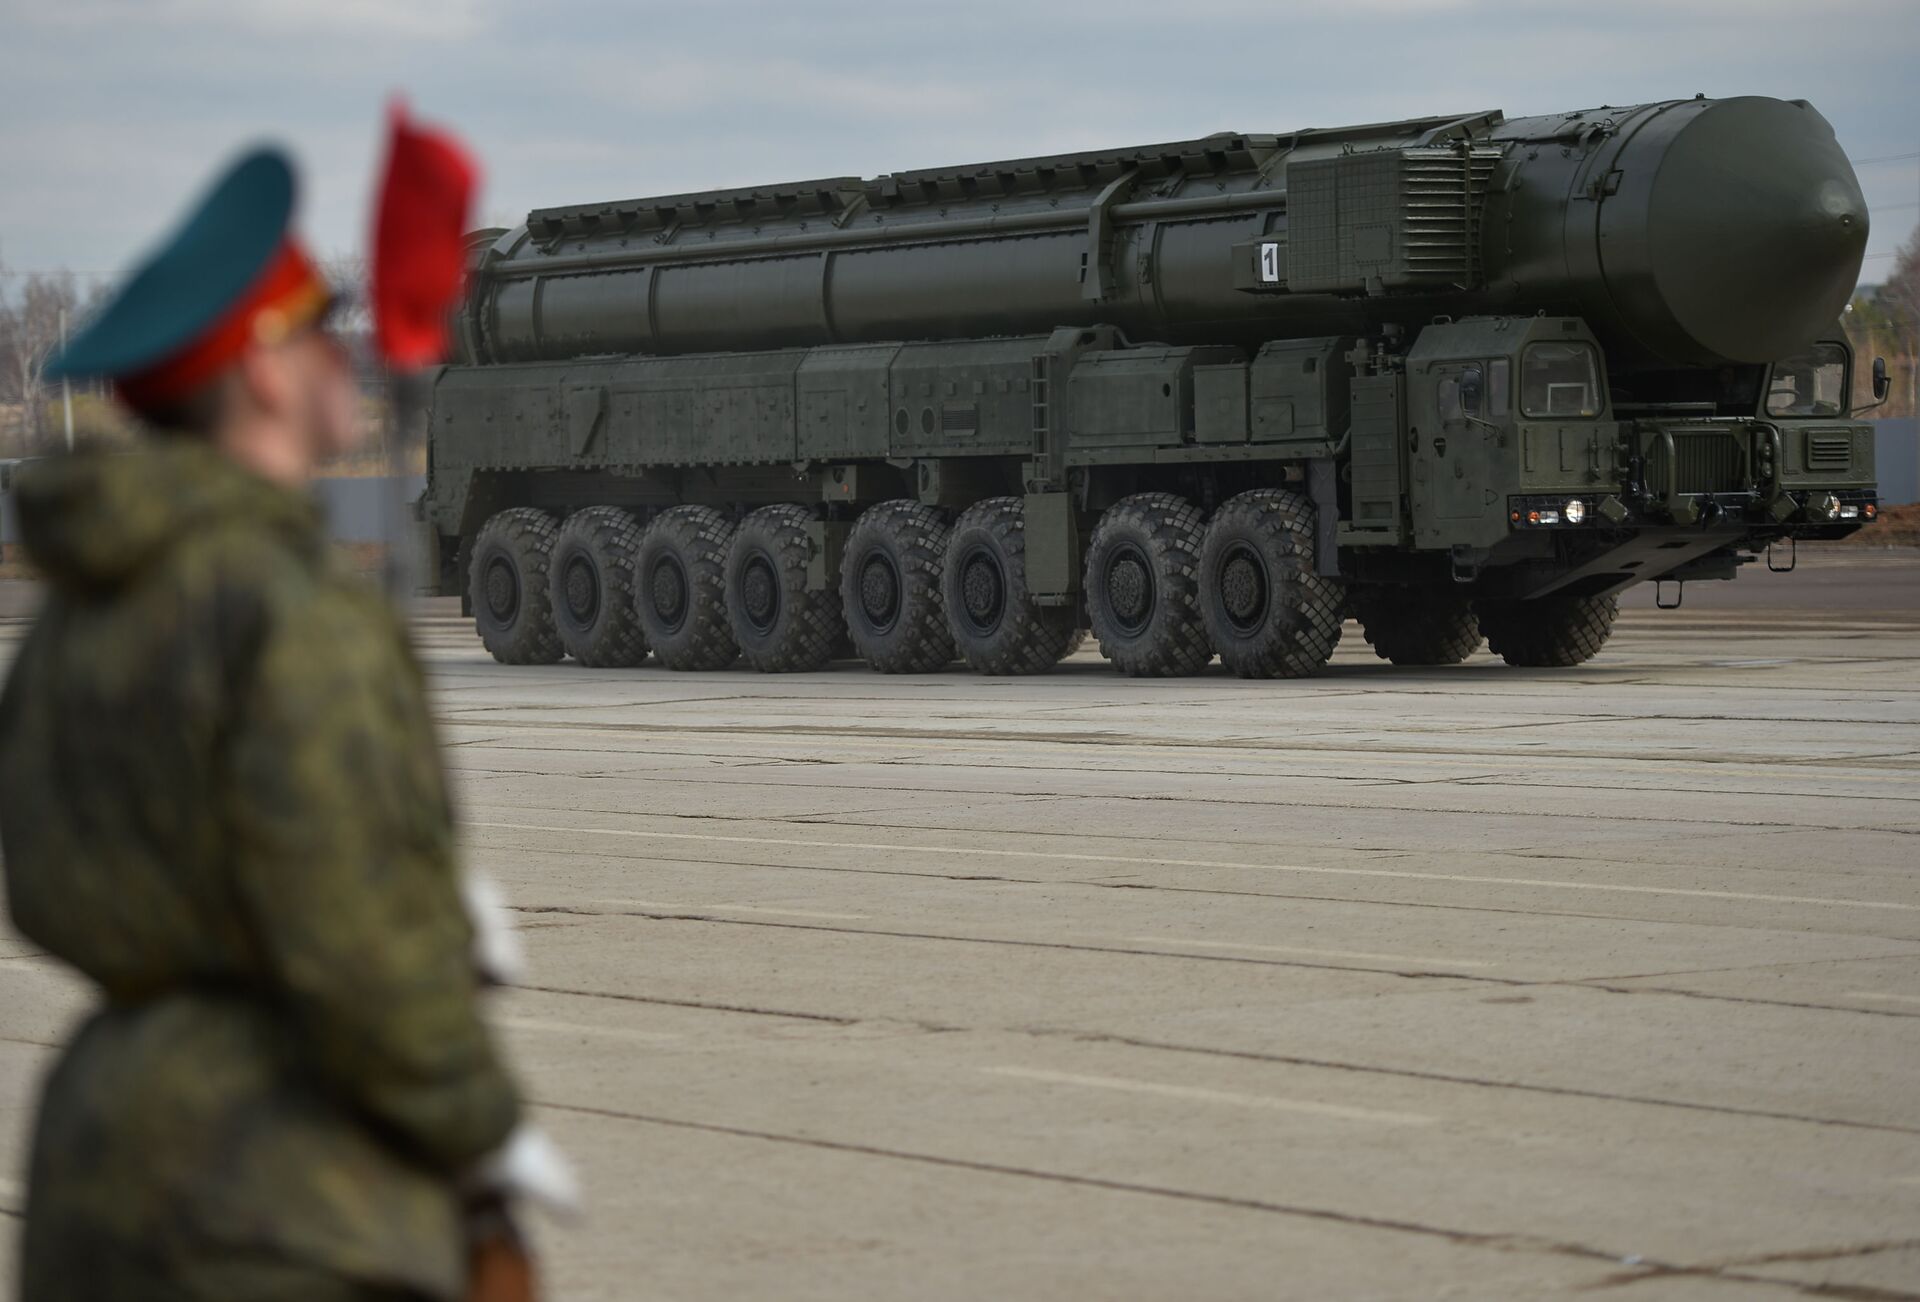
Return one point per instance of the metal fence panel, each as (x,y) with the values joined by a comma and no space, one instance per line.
(360,510)
(1896,460)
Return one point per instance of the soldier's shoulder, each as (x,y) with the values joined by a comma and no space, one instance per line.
(278,582)
(239,560)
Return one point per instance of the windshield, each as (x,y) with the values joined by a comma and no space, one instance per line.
(1812,384)
(1560,380)
(1730,390)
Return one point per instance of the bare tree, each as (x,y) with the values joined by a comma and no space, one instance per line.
(30,317)
(1901,297)
(1885,322)
(346,274)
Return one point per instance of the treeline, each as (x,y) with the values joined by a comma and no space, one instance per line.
(31,309)
(1885,322)
(32,419)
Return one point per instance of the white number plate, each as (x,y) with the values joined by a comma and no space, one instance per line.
(1270,263)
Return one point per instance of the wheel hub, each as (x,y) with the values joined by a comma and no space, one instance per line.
(502,590)
(983,590)
(1243,588)
(582,591)
(668,589)
(880,592)
(760,593)
(1129,589)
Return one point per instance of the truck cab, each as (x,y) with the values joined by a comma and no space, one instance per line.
(1825,448)
(1504,410)
(1610,480)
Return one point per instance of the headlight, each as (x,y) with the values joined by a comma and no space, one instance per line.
(1576,511)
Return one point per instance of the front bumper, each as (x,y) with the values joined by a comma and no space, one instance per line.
(1532,512)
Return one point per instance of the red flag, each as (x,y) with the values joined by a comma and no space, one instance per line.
(419,257)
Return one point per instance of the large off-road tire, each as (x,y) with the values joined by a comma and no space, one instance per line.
(780,626)
(508,588)
(591,578)
(1416,626)
(680,588)
(890,588)
(1269,614)
(996,627)
(1074,643)
(1142,585)
(1552,632)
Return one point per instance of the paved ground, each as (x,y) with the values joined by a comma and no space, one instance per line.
(1467,984)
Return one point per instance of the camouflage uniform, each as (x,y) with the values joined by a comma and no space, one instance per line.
(221,800)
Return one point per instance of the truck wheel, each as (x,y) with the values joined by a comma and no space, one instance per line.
(1074,643)
(996,628)
(780,626)
(1269,613)
(890,588)
(680,580)
(1552,632)
(1414,626)
(592,588)
(507,584)
(1142,588)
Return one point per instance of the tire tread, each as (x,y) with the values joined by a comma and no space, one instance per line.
(1408,626)
(618,642)
(810,627)
(700,535)
(921,642)
(1176,643)
(1307,608)
(527,533)
(1551,632)
(1031,639)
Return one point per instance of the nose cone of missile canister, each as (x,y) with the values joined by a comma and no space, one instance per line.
(1735,233)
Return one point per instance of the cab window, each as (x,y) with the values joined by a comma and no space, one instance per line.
(1499,383)
(1560,381)
(1453,402)
(1811,384)
(1489,387)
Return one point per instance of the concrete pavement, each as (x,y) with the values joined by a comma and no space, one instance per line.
(1474,983)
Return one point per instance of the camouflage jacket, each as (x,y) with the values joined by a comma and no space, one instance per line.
(221,800)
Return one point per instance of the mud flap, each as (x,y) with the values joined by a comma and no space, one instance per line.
(1053,549)
(1324,491)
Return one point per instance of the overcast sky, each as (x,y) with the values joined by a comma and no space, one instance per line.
(113,113)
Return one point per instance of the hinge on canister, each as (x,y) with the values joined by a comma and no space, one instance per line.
(1097,279)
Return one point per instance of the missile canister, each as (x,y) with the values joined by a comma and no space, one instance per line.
(1687,233)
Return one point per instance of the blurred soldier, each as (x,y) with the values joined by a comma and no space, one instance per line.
(221,801)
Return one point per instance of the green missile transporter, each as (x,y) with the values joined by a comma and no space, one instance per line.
(1461,378)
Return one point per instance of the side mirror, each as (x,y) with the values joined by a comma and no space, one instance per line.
(1472,389)
(1880,381)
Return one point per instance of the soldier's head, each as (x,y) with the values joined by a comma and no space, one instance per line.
(222,334)
(283,403)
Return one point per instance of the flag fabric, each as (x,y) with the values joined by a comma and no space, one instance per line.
(419,238)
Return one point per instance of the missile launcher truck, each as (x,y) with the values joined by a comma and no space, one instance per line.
(1459,378)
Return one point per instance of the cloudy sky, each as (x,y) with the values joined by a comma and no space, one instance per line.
(114,112)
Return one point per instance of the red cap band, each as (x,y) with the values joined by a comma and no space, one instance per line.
(286,296)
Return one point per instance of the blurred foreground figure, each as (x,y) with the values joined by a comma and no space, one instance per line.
(221,800)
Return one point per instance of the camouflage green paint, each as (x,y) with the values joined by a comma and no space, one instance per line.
(221,801)
(1201,317)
